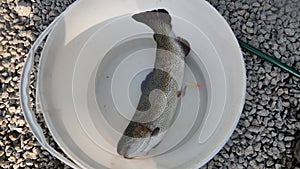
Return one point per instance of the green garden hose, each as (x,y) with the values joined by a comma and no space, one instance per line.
(268,58)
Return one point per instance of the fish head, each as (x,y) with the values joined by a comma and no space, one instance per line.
(137,142)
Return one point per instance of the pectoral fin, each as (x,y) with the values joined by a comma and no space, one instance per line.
(182,92)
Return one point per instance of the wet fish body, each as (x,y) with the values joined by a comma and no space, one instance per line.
(161,90)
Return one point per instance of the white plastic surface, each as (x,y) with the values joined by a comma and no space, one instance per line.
(71,89)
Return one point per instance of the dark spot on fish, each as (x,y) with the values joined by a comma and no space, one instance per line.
(107,77)
(145,82)
(157,79)
(141,132)
(137,130)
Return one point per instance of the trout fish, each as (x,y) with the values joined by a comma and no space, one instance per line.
(161,89)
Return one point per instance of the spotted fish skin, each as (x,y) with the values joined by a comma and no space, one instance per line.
(160,89)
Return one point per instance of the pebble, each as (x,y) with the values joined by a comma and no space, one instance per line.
(249,151)
(256,4)
(289,138)
(2,153)
(257,147)
(249,24)
(278,166)
(29,155)
(270,163)
(250,30)
(11,109)
(249,136)
(263,112)
(23,10)
(37,18)
(13,136)
(259,158)
(254,129)
(290,32)
(253,164)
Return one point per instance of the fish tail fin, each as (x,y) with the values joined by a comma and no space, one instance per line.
(151,18)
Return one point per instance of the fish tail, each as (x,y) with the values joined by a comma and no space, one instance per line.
(151,18)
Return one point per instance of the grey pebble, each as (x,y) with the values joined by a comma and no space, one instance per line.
(281,146)
(289,138)
(263,112)
(254,129)
(249,24)
(257,147)
(37,18)
(270,163)
(253,164)
(260,38)
(259,158)
(250,30)
(278,166)
(256,4)
(249,151)
(290,32)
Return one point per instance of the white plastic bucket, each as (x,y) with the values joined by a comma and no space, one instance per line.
(96,56)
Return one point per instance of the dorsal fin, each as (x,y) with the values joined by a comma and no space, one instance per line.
(184,44)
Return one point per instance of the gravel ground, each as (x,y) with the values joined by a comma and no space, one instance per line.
(269,125)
